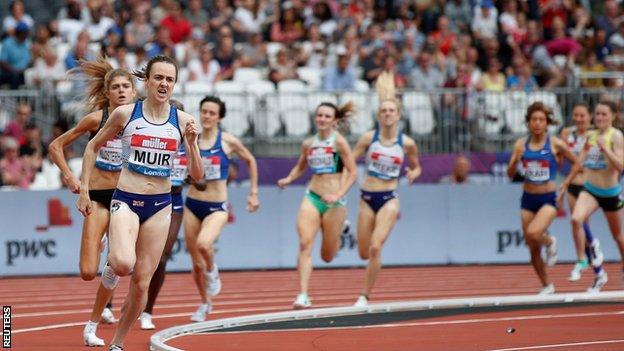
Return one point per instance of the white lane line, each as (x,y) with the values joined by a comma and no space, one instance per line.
(552,346)
(445,322)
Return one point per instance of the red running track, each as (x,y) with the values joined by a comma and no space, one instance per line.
(48,313)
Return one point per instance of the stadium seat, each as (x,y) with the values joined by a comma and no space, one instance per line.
(363,118)
(314,99)
(264,113)
(493,119)
(293,107)
(194,92)
(313,76)
(515,109)
(236,120)
(419,112)
(362,86)
(247,74)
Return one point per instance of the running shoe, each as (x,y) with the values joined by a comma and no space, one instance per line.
(213,282)
(115,348)
(551,252)
(362,301)
(302,301)
(146,321)
(346,227)
(578,269)
(202,311)
(547,290)
(89,337)
(107,316)
(600,281)
(595,253)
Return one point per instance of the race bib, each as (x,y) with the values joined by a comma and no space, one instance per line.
(389,166)
(212,167)
(536,171)
(179,172)
(321,159)
(109,157)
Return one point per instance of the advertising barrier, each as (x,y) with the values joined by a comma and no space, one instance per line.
(438,224)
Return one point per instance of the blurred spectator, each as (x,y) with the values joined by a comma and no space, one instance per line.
(289,28)
(179,26)
(99,24)
(373,65)
(390,67)
(590,64)
(561,44)
(484,23)
(17,15)
(161,44)
(492,79)
(616,41)
(190,49)
(521,77)
(159,12)
(48,70)
(545,68)
(121,59)
(248,18)
(550,11)
(227,57)
(205,68)
(459,14)
(254,52)
(72,21)
(80,51)
(16,127)
(14,171)
(221,14)
(508,19)
(579,23)
(601,45)
(610,19)
(426,76)
(284,67)
(443,36)
(322,15)
(195,14)
(313,50)
(139,31)
(15,57)
(339,77)
(33,151)
(40,41)
(461,172)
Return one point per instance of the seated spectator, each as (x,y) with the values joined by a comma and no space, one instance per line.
(48,70)
(17,15)
(14,171)
(139,31)
(205,68)
(254,52)
(322,14)
(426,76)
(228,58)
(484,24)
(373,65)
(158,12)
(284,67)
(221,14)
(161,44)
(493,78)
(289,28)
(562,44)
(15,128)
(461,172)
(15,57)
(179,26)
(73,21)
(33,150)
(196,15)
(248,18)
(459,14)
(590,64)
(339,77)
(443,36)
(522,76)
(80,51)
(99,24)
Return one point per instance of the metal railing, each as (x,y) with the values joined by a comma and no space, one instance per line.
(274,124)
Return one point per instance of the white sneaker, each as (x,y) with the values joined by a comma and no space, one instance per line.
(547,290)
(597,257)
(302,301)
(115,348)
(346,227)
(89,337)
(362,301)
(146,321)
(213,282)
(576,272)
(202,311)
(551,252)
(107,316)
(599,282)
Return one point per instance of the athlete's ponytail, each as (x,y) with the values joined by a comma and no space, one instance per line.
(386,89)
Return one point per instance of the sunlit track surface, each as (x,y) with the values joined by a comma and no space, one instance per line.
(48,312)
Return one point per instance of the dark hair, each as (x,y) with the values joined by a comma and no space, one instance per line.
(582,104)
(540,106)
(610,104)
(177,104)
(144,73)
(100,74)
(216,100)
(341,113)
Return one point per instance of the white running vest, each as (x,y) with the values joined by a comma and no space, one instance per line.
(384,162)
(150,149)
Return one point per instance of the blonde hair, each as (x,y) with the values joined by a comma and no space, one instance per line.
(386,89)
(100,74)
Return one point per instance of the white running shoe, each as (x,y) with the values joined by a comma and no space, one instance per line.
(547,290)
(302,301)
(362,301)
(600,281)
(107,316)
(202,311)
(597,257)
(576,272)
(346,227)
(213,281)
(89,337)
(146,321)
(115,348)
(551,252)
